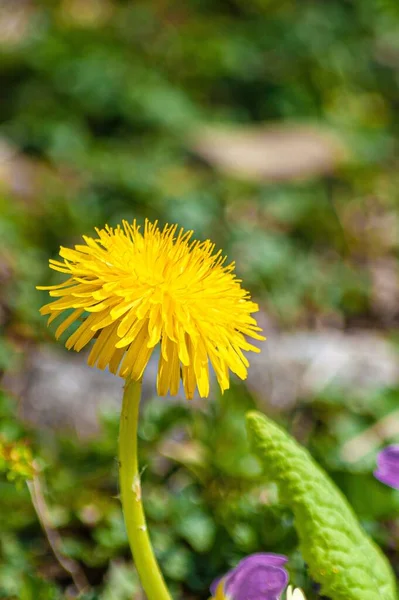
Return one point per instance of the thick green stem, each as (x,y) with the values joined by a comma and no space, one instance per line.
(130,488)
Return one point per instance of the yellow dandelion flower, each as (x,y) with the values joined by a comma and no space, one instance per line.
(133,289)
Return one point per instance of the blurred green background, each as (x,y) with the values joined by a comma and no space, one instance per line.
(270,127)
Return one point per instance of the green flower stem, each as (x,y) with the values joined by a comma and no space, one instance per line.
(130,487)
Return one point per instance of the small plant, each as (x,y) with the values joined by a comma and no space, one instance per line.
(130,291)
(16,461)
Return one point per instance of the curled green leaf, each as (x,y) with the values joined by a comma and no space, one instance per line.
(339,554)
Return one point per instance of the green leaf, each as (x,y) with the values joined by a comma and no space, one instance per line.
(340,556)
(198,529)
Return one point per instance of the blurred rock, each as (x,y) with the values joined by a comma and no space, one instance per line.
(58,389)
(303,364)
(269,153)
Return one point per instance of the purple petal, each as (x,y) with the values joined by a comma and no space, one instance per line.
(258,583)
(256,577)
(388,466)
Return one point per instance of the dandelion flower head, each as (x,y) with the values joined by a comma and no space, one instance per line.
(131,289)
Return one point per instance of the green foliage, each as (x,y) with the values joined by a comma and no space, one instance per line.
(339,554)
(205,498)
(203,505)
(102,109)
(100,101)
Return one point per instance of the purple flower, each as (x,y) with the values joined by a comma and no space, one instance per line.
(388,466)
(257,577)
